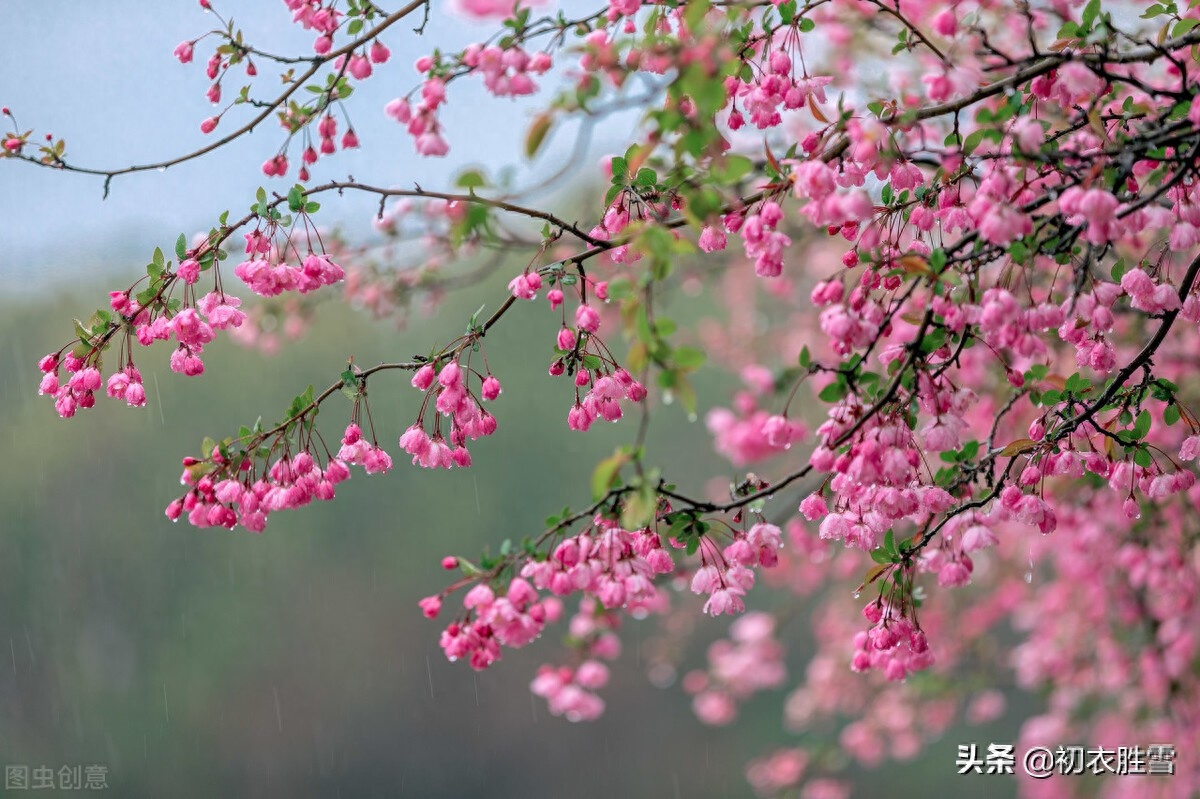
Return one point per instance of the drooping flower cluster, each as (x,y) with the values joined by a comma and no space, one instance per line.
(421,121)
(192,323)
(268,273)
(454,400)
(490,621)
(572,691)
(224,493)
(749,661)
(895,644)
(616,566)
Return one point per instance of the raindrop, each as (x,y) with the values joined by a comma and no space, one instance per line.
(1029,577)
(691,417)
(162,169)
(857,594)
(668,397)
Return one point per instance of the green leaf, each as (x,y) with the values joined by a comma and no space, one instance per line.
(538,131)
(471,179)
(181,247)
(605,474)
(689,358)
(295,198)
(646,177)
(833,392)
(1142,426)
(638,510)
(1171,414)
(1184,25)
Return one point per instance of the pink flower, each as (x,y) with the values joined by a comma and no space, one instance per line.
(712,239)
(431,606)
(379,52)
(189,271)
(587,318)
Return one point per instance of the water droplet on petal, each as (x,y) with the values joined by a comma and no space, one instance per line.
(1028,577)
(857,594)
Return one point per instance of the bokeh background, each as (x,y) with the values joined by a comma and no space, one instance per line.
(201,663)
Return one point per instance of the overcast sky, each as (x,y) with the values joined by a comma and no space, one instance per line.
(102,76)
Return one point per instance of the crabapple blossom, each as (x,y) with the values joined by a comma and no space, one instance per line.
(956,345)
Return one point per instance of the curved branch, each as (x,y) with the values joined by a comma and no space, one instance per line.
(109,174)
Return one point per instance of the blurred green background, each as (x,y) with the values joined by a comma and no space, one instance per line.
(202,663)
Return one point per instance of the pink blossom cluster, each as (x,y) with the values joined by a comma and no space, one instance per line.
(356,450)
(605,391)
(616,566)
(489,9)
(421,121)
(774,86)
(876,482)
(571,691)
(454,400)
(506,71)
(193,326)
(894,645)
(746,433)
(490,621)
(628,206)
(749,661)
(783,770)
(314,15)
(79,391)
(327,131)
(269,275)
(224,492)
(765,244)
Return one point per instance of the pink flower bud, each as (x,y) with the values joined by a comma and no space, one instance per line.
(379,52)
(587,318)
(431,606)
